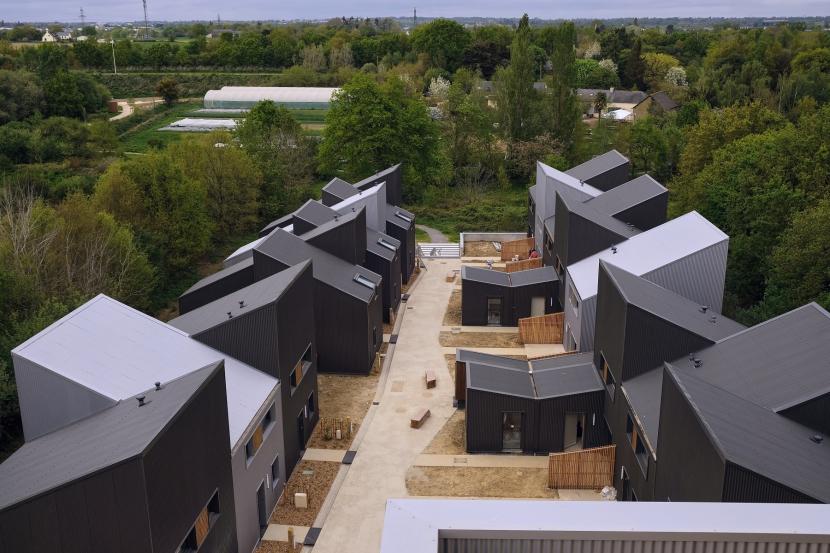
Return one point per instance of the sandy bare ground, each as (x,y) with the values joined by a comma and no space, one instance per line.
(452,317)
(480,339)
(451,439)
(480,249)
(479,482)
(316,485)
(277,547)
(343,396)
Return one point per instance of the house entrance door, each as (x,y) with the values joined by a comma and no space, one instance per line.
(537,306)
(512,431)
(494,311)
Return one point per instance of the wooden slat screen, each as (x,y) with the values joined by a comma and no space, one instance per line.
(543,329)
(460,381)
(585,469)
(202,527)
(519,247)
(523,265)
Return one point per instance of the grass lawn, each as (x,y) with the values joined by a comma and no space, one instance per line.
(453,211)
(138,138)
(421,235)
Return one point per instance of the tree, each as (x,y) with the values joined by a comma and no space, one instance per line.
(281,151)
(168,89)
(314,58)
(225,171)
(600,103)
(283,47)
(20,96)
(657,66)
(444,40)
(565,112)
(486,56)
(517,99)
(635,67)
(371,126)
(468,135)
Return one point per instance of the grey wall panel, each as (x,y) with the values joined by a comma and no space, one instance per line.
(249,475)
(49,401)
(648,214)
(183,468)
(588,312)
(699,277)
(611,178)
(474,301)
(610,332)
(484,420)
(744,486)
(814,413)
(637,543)
(642,476)
(684,448)
(390,271)
(216,290)
(346,241)
(572,317)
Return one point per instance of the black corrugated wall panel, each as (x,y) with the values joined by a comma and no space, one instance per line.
(742,485)
(552,420)
(484,420)
(216,290)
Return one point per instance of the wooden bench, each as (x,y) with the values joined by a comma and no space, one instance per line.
(419,418)
(451,276)
(431,379)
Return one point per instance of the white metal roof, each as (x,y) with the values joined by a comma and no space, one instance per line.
(568,180)
(283,94)
(412,525)
(202,123)
(117,351)
(647,251)
(238,253)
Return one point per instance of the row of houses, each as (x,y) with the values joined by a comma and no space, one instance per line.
(654,368)
(142,435)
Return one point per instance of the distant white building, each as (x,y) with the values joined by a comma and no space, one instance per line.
(58,36)
(48,37)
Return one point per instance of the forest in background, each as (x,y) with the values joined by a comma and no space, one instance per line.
(749,149)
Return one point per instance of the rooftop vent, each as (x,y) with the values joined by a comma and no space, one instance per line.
(713,319)
(817,438)
(158,386)
(698,363)
(230,315)
(241,304)
(704,308)
(141,399)
(613,249)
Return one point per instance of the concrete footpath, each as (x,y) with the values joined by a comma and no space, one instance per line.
(389,447)
(490,461)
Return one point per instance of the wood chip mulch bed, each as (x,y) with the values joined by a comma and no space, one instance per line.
(480,339)
(317,487)
(277,547)
(459,481)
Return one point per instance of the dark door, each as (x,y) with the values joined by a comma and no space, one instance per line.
(301,429)
(512,431)
(494,311)
(261,509)
(626,486)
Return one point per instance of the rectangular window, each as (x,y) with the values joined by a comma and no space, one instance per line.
(310,404)
(404,217)
(606,375)
(386,244)
(275,472)
(254,442)
(302,366)
(268,419)
(374,336)
(360,279)
(572,298)
(558,266)
(548,243)
(636,442)
(201,528)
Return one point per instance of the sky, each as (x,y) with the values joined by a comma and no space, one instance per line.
(186,10)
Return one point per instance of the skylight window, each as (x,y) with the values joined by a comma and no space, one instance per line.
(386,244)
(360,279)
(404,217)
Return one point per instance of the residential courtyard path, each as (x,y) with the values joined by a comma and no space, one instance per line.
(435,235)
(389,447)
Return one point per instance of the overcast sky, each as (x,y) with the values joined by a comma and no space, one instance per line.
(170,10)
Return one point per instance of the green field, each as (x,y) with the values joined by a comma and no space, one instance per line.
(145,134)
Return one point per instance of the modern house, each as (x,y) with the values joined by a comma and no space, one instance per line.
(497,298)
(615,99)
(105,353)
(269,326)
(545,405)
(150,472)
(421,525)
(686,255)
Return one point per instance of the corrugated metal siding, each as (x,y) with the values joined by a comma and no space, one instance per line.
(699,277)
(485,419)
(641,481)
(474,301)
(814,413)
(741,485)
(407,250)
(49,401)
(684,448)
(215,290)
(648,214)
(610,333)
(346,241)
(611,178)
(669,544)
(390,271)
(588,310)
(552,420)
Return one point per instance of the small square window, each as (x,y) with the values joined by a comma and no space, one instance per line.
(275,472)
(360,279)
(386,244)
(404,217)
(311,405)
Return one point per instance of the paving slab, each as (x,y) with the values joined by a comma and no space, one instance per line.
(279,532)
(496,329)
(332,455)
(493,461)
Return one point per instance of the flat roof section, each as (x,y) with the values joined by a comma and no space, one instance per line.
(627,195)
(565,375)
(500,380)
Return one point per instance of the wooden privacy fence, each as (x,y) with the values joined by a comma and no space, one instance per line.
(585,469)
(523,265)
(543,329)
(516,247)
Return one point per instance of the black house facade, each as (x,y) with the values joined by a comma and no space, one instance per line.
(497,298)
(541,406)
(151,473)
(603,171)
(270,326)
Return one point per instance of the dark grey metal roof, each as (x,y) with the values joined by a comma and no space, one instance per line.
(325,225)
(645,393)
(88,446)
(221,274)
(598,165)
(315,213)
(565,375)
(777,364)
(585,209)
(291,250)
(500,380)
(340,189)
(754,437)
(373,244)
(488,276)
(670,306)
(532,276)
(664,101)
(627,195)
(469,356)
(282,222)
(394,213)
(368,181)
(257,295)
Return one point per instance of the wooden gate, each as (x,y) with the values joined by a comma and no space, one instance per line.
(585,469)
(523,265)
(519,247)
(543,329)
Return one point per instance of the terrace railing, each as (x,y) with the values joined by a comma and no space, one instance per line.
(520,248)
(523,265)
